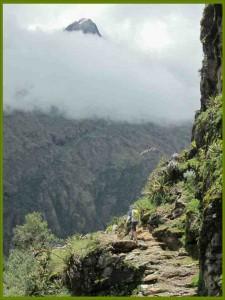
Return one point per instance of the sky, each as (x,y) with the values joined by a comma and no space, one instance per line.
(144,68)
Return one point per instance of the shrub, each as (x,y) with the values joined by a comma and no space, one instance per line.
(82,246)
(33,234)
(193,206)
(195,281)
(27,269)
(19,274)
(144,204)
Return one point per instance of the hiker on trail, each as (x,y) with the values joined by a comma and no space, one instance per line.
(132,222)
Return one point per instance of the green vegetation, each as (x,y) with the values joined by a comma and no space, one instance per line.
(75,246)
(37,266)
(145,204)
(175,195)
(193,206)
(27,269)
(20,274)
(195,281)
(208,124)
(194,180)
(79,173)
(157,188)
(34,234)
(119,222)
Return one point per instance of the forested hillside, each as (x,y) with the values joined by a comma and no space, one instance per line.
(78,173)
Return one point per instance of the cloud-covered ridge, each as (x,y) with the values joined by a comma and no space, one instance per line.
(86,77)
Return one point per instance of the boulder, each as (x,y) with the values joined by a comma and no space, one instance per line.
(178,210)
(154,221)
(151,278)
(154,291)
(123,246)
(192,233)
(145,236)
(169,236)
(142,245)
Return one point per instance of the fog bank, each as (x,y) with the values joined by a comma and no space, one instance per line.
(86,76)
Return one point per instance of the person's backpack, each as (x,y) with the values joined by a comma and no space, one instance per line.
(135,215)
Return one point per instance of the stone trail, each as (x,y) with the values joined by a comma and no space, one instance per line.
(166,272)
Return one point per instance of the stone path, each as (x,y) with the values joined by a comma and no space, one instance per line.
(167,273)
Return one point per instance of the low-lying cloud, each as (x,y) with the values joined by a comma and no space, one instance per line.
(86,76)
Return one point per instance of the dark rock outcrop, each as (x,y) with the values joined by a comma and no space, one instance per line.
(84,25)
(211,38)
(169,236)
(123,246)
(192,233)
(103,273)
(210,241)
(144,271)
(211,250)
(154,221)
(179,207)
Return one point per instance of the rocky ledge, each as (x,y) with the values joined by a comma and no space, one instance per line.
(121,267)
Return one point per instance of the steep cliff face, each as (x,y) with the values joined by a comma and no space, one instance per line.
(211,38)
(210,241)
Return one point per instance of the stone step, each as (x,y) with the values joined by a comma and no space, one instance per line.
(154,291)
(151,278)
(166,272)
(150,270)
(142,245)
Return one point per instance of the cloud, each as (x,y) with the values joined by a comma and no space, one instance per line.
(124,76)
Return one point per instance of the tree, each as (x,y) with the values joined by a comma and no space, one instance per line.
(27,269)
(20,271)
(33,234)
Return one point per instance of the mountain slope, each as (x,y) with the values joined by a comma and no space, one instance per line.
(182,203)
(78,173)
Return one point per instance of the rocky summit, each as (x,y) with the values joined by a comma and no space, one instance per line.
(84,25)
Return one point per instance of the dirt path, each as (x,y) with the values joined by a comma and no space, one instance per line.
(167,273)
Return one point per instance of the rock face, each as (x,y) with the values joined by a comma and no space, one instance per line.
(84,25)
(148,271)
(169,236)
(211,84)
(211,38)
(211,250)
(123,246)
(101,273)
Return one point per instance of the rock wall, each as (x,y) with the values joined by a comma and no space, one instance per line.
(102,272)
(211,38)
(210,242)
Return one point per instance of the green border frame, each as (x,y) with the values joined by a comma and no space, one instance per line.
(1,128)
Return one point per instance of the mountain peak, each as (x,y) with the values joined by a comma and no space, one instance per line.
(85,25)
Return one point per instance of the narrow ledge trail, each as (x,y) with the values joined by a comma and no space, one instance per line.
(166,272)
